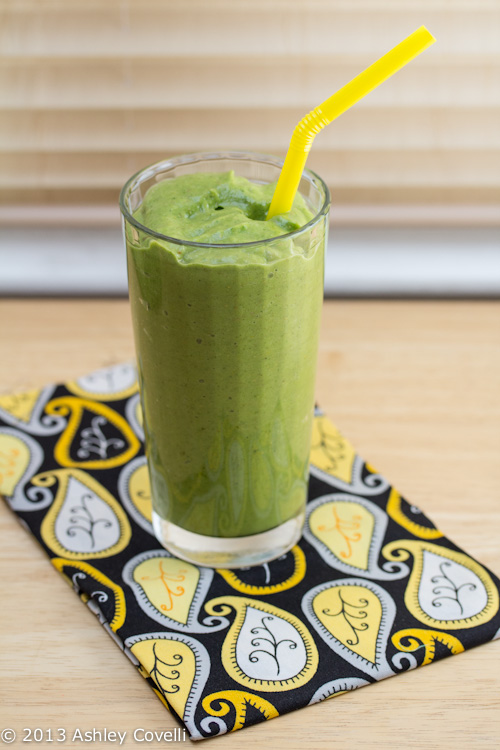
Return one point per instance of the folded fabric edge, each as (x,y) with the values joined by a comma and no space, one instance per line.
(96,610)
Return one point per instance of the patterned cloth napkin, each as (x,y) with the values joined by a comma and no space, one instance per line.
(373,588)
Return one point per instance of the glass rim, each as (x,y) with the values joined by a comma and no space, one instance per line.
(159,166)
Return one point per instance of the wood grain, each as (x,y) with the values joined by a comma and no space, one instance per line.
(414,385)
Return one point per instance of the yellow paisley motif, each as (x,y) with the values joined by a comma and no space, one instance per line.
(418,637)
(140,491)
(473,600)
(82,521)
(75,408)
(138,414)
(120,608)
(346,529)
(330,451)
(253,644)
(169,584)
(395,511)
(14,460)
(20,405)
(240,700)
(352,614)
(246,588)
(172,666)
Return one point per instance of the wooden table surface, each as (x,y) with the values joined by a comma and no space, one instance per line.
(415,386)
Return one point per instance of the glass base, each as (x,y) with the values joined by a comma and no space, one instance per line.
(228,552)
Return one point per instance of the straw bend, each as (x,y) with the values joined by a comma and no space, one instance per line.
(309,127)
(322,115)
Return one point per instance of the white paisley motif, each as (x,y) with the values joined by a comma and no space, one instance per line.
(85,523)
(448,590)
(401,657)
(107,382)
(329,689)
(268,647)
(131,408)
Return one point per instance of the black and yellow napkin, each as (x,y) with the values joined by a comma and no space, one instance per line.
(373,588)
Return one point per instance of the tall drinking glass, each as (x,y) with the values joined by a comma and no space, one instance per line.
(226,339)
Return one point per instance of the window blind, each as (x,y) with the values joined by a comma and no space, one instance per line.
(93,91)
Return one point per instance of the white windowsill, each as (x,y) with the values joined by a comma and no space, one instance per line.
(380,261)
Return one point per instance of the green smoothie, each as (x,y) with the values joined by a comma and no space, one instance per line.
(226,339)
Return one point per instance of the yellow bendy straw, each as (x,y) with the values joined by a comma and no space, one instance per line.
(325,113)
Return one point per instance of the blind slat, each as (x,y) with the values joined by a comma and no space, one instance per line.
(367,168)
(142,131)
(92,91)
(187,28)
(192,84)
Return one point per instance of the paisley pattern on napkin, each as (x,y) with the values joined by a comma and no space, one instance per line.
(372,589)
